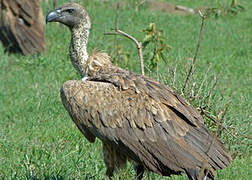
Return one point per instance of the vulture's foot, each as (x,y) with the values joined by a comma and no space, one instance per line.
(139,171)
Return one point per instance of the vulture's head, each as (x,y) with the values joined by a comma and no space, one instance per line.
(72,15)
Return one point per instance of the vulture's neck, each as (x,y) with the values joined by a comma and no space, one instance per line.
(78,48)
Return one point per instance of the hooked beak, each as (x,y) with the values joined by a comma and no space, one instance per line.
(53,16)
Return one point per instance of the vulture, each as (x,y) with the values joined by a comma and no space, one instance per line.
(22,27)
(136,118)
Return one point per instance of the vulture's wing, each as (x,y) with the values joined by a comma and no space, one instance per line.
(22,26)
(142,125)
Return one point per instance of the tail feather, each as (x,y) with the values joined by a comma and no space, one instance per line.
(216,153)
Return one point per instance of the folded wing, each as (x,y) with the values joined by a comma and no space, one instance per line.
(153,127)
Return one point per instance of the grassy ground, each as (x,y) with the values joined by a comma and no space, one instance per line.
(37,137)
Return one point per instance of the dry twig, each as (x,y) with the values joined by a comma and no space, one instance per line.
(191,71)
(117,31)
(209,95)
(54,4)
(206,113)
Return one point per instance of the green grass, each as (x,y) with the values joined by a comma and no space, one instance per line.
(37,137)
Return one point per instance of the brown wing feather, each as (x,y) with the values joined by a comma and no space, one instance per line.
(157,91)
(22,26)
(142,126)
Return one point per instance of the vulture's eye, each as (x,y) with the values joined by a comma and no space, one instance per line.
(70,11)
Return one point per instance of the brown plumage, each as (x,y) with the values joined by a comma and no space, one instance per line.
(22,26)
(135,117)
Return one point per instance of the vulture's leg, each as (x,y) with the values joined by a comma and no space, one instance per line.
(139,171)
(109,172)
(113,159)
(108,158)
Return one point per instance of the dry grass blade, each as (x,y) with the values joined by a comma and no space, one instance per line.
(139,4)
(172,73)
(203,81)
(207,114)
(209,95)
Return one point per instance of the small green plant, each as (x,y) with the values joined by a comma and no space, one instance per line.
(155,40)
(119,55)
(231,9)
(235,8)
